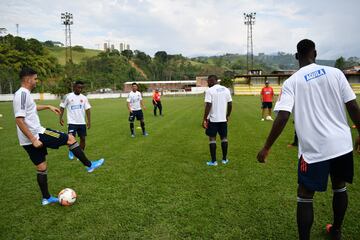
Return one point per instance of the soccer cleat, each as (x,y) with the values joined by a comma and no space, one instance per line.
(71,155)
(50,200)
(262,119)
(334,234)
(132,135)
(225,161)
(95,165)
(145,134)
(211,163)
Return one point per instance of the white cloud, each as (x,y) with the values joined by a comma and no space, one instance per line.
(192,27)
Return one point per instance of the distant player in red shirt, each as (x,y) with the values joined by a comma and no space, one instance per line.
(156,102)
(266,97)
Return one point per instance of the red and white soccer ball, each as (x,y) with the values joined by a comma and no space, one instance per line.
(67,197)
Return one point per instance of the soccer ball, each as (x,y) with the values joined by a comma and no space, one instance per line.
(67,197)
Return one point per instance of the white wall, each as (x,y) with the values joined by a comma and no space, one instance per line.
(49,96)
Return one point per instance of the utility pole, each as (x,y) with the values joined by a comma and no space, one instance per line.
(67,20)
(249,21)
(17,29)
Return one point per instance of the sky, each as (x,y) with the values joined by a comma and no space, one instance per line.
(192,27)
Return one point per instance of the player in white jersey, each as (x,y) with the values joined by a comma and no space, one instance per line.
(135,104)
(78,114)
(35,139)
(319,97)
(218,106)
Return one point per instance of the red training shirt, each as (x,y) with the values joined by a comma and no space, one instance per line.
(267,94)
(156,97)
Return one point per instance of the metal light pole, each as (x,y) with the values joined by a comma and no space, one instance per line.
(67,20)
(249,22)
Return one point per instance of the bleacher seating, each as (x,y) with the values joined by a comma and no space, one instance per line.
(356,87)
(246,89)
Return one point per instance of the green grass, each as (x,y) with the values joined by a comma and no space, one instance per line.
(59,53)
(158,187)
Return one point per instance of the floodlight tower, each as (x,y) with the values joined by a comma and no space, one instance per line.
(249,21)
(67,20)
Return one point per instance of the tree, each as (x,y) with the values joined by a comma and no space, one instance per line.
(218,61)
(78,48)
(128,54)
(227,82)
(16,52)
(49,43)
(142,87)
(161,57)
(340,63)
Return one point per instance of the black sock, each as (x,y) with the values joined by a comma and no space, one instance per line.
(132,128)
(79,153)
(142,126)
(224,148)
(340,202)
(305,217)
(42,181)
(154,110)
(213,151)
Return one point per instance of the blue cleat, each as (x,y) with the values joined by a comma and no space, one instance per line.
(50,200)
(71,155)
(225,161)
(95,164)
(145,134)
(210,163)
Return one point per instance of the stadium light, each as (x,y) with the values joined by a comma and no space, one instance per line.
(67,20)
(249,21)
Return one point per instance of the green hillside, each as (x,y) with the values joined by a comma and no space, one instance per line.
(59,53)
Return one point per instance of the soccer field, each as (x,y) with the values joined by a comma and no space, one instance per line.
(159,186)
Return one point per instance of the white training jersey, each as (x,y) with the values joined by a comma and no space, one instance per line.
(134,99)
(24,106)
(317,95)
(76,105)
(218,96)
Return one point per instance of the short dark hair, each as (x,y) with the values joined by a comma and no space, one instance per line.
(134,83)
(213,77)
(79,82)
(26,71)
(305,46)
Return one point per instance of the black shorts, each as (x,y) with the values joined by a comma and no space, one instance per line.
(315,176)
(79,129)
(266,105)
(216,127)
(50,139)
(136,114)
